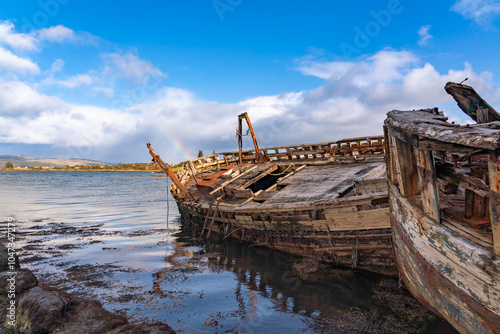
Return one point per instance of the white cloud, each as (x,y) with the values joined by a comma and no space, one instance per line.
(105,91)
(324,70)
(14,39)
(424,35)
(9,62)
(383,66)
(483,12)
(28,117)
(57,34)
(355,78)
(352,101)
(129,66)
(72,82)
(389,65)
(263,107)
(385,81)
(57,66)
(80,126)
(19,99)
(31,41)
(175,115)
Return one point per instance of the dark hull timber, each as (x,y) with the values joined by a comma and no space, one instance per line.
(326,201)
(281,229)
(444,191)
(428,270)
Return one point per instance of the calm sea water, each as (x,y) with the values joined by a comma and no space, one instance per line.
(116,237)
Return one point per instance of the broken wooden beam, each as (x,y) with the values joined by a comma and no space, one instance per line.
(471,183)
(263,174)
(232,180)
(471,103)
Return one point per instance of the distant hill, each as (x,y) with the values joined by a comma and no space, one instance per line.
(22,161)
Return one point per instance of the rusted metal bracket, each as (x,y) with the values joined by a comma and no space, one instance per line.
(170,172)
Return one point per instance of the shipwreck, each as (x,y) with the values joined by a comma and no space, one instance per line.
(444,191)
(326,201)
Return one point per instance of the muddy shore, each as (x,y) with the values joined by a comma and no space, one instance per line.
(27,306)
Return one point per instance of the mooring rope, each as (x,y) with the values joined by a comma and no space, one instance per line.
(363,184)
(354,255)
(168,203)
(283,172)
(239,134)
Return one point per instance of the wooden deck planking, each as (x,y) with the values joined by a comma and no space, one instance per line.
(321,183)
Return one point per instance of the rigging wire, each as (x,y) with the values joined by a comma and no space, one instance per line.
(168,204)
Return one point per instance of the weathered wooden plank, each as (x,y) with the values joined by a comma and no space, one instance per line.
(361,200)
(264,196)
(469,266)
(428,184)
(343,209)
(232,180)
(350,248)
(434,127)
(494,174)
(290,218)
(307,225)
(389,157)
(407,169)
(279,182)
(438,293)
(472,103)
(412,139)
(435,145)
(360,220)
(310,225)
(475,204)
(370,186)
(243,219)
(452,224)
(263,174)
(474,184)
(360,236)
(243,193)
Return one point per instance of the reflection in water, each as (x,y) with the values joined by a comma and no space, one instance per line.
(270,274)
(265,276)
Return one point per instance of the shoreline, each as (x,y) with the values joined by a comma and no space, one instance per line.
(41,308)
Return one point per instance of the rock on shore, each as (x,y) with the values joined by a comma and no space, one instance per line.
(48,310)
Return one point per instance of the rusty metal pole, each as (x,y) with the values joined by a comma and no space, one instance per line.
(170,173)
(259,157)
(239,133)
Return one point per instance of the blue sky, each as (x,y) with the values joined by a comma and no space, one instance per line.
(97,79)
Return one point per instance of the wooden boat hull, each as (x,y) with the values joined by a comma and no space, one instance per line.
(428,281)
(287,230)
(443,180)
(326,200)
